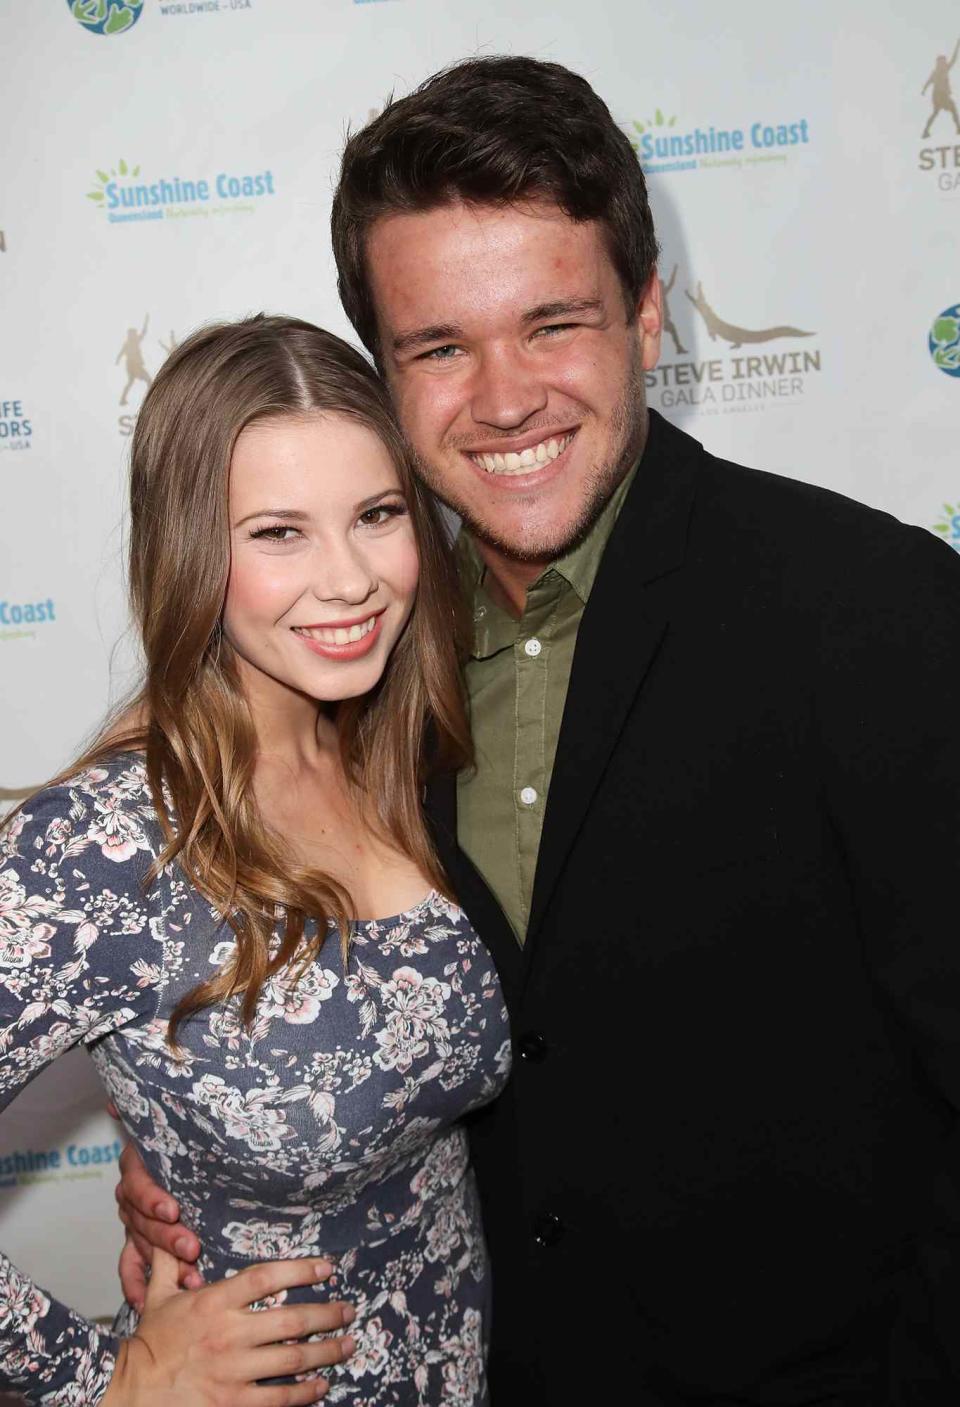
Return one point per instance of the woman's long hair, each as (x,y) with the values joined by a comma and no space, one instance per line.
(191,718)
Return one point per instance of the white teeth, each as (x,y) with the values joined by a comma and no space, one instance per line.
(338,634)
(512,463)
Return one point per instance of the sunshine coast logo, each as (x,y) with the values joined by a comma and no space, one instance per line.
(943,341)
(16,427)
(738,380)
(947,525)
(24,1167)
(19,619)
(125,197)
(664,146)
(106,16)
(941,162)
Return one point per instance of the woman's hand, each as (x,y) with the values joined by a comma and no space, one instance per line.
(207,1348)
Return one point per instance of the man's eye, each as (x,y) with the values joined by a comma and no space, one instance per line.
(440,354)
(554,327)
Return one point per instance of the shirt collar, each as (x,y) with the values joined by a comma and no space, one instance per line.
(495,628)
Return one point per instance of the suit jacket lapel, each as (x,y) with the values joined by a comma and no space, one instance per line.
(624,622)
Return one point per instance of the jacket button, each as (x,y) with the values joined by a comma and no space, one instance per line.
(532,1047)
(547,1229)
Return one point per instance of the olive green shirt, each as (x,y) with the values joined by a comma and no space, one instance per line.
(517,678)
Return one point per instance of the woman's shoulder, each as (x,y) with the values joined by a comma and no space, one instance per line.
(106,807)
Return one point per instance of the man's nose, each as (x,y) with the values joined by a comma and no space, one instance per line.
(507,390)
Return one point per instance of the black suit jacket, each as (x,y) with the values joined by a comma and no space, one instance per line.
(726,1169)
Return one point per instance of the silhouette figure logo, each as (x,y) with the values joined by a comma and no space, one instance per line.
(106,16)
(131,353)
(944,341)
(940,94)
(729,331)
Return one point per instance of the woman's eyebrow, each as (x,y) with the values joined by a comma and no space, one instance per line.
(295,515)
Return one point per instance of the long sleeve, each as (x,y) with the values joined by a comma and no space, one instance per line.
(889,703)
(75,944)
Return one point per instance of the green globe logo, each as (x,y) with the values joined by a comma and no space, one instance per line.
(944,341)
(106,16)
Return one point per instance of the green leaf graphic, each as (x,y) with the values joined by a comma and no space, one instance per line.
(103,176)
(120,19)
(136,170)
(951,511)
(946,329)
(123,167)
(94,195)
(659,117)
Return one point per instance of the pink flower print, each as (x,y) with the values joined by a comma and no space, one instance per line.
(371,1353)
(415,998)
(21,1303)
(298,1002)
(22,937)
(115,829)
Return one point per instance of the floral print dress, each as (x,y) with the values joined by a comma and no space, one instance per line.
(331,1127)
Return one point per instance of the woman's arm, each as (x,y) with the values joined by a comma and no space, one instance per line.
(79,959)
(68,943)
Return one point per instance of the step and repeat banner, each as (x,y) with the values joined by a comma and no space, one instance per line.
(170,162)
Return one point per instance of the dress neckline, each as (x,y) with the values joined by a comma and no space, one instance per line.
(404,916)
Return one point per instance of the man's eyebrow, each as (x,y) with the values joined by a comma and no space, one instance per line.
(442,332)
(563,308)
(421,336)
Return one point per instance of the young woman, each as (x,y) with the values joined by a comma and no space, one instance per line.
(233,900)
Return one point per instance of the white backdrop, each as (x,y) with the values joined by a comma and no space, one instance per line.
(812,227)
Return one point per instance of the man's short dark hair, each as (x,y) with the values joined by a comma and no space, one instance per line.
(492,131)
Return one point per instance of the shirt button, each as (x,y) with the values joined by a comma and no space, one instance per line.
(548,1230)
(532,1047)
(533,648)
(528,795)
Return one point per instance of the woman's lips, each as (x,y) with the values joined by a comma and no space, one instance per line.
(341,642)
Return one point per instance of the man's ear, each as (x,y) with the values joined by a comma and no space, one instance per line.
(650,320)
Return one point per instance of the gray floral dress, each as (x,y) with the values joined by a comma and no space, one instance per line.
(329,1128)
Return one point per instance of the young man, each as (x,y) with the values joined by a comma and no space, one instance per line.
(713,833)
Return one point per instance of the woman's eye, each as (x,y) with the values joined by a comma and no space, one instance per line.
(277,533)
(376,517)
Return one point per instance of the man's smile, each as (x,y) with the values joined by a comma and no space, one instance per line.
(522,460)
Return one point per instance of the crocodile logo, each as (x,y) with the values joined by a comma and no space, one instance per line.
(730,332)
